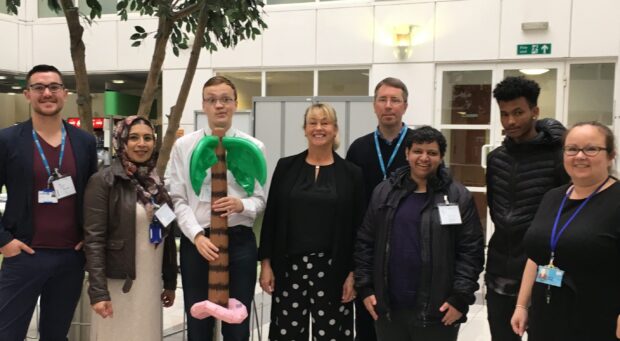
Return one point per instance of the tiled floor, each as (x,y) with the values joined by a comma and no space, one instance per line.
(476,329)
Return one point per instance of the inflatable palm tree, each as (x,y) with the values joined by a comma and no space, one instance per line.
(247,164)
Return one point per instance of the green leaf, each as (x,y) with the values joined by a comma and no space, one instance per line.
(136,43)
(139,29)
(175,50)
(135,36)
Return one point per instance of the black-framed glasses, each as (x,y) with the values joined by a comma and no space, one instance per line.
(40,88)
(587,150)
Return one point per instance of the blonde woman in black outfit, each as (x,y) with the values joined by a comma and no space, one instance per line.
(314,207)
(571,283)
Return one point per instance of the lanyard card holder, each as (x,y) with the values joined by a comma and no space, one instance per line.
(449,214)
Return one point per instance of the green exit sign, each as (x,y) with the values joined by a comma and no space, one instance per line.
(524,49)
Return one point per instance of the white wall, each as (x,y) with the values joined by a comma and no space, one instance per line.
(339,34)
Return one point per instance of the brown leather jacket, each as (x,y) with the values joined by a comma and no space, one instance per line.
(110,234)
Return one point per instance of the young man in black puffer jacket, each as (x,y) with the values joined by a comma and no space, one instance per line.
(519,173)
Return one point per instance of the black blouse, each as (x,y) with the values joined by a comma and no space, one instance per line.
(312,215)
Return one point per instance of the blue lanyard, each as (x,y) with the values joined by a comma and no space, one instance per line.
(394,152)
(62,150)
(555,234)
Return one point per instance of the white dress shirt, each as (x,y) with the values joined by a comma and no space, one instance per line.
(194,211)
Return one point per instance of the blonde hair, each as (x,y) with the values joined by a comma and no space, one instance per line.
(327,111)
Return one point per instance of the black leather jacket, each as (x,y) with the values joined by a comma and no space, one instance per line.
(518,176)
(110,234)
(452,256)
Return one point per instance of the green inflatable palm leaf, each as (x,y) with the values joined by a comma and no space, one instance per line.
(246,162)
(203,158)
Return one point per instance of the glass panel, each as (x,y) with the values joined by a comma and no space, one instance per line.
(248,86)
(466,97)
(591,93)
(277,2)
(481,205)
(289,83)
(45,12)
(343,83)
(3,8)
(548,81)
(107,7)
(463,155)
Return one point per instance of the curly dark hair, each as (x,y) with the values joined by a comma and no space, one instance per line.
(512,88)
(427,134)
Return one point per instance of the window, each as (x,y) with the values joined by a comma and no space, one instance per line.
(343,83)
(289,83)
(591,93)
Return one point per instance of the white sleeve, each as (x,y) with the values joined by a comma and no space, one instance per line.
(178,193)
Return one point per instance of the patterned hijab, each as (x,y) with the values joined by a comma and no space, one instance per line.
(143,175)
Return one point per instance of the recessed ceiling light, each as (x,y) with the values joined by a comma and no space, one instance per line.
(533,72)
(118,81)
(2,77)
(70,93)
(10,93)
(16,87)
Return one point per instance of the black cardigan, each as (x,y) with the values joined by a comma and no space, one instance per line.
(350,189)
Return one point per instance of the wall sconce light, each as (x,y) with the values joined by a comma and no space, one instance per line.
(403,36)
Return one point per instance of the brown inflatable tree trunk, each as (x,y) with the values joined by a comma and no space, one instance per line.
(218,269)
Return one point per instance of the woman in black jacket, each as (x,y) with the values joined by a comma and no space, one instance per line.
(420,249)
(315,204)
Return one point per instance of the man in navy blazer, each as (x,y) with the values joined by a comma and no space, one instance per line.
(45,164)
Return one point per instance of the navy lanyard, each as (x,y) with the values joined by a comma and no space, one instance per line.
(555,234)
(394,152)
(43,158)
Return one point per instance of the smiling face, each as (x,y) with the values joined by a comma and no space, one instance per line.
(587,170)
(219,104)
(45,103)
(518,119)
(424,159)
(390,106)
(319,129)
(140,143)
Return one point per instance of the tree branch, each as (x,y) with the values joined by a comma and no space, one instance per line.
(186,11)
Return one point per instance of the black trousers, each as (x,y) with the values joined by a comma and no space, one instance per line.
(304,295)
(499,310)
(400,328)
(195,277)
(364,324)
(56,276)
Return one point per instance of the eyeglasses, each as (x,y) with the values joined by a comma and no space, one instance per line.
(393,100)
(587,150)
(223,100)
(40,88)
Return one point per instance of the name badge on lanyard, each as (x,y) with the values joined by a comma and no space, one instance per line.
(58,186)
(550,274)
(449,214)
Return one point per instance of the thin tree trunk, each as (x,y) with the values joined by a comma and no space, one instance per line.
(84,102)
(176,112)
(164,29)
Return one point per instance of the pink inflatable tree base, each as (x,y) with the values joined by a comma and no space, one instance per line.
(234,314)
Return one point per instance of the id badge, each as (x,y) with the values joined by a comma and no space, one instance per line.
(155,228)
(549,275)
(165,215)
(64,187)
(449,214)
(47,196)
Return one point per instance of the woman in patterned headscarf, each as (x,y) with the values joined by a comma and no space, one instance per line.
(125,223)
